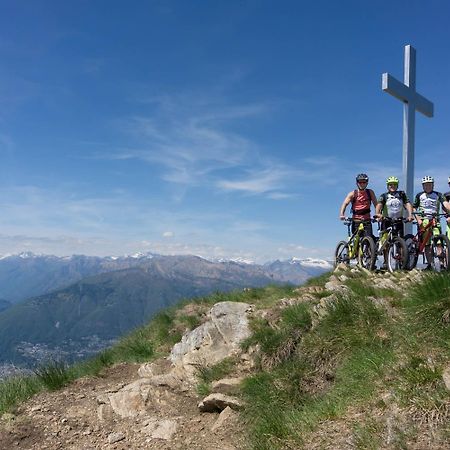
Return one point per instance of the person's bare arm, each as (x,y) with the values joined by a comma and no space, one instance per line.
(378,209)
(447,206)
(344,205)
(409,208)
(373,198)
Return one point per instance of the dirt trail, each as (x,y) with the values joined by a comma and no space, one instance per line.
(74,418)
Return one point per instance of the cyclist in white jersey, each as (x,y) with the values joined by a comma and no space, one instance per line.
(391,206)
(427,203)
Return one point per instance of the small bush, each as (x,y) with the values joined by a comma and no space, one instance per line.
(135,347)
(53,375)
(16,390)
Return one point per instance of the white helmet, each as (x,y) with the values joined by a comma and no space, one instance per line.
(427,179)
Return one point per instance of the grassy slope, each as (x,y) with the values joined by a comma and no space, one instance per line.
(368,372)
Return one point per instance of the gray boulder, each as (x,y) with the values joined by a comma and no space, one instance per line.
(216,339)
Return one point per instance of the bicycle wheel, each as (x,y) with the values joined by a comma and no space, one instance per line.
(413,251)
(440,253)
(397,255)
(341,254)
(367,254)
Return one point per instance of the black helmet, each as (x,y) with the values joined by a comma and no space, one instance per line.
(362,177)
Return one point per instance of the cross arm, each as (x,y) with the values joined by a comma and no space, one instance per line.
(423,105)
(394,87)
(399,90)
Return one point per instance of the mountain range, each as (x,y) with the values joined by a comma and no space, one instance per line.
(78,305)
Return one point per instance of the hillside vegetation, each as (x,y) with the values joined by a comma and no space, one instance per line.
(350,360)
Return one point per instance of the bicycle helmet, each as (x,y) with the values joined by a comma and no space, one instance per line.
(392,180)
(427,179)
(448,179)
(362,177)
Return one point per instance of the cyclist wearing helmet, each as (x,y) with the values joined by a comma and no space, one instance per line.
(447,194)
(447,197)
(361,200)
(427,203)
(391,205)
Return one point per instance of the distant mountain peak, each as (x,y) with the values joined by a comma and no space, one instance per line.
(312,262)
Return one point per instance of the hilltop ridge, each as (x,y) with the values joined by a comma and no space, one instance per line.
(351,360)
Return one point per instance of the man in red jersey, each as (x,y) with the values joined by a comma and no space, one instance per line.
(361,200)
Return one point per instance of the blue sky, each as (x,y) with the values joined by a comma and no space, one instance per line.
(219,128)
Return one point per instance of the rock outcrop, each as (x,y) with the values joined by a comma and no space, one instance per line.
(216,339)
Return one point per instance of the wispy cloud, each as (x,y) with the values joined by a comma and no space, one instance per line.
(193,140)
(268,180)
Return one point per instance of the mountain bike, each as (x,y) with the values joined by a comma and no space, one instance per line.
(440,245)
(392,246)
(358,246)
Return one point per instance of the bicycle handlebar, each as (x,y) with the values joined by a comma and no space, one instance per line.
(434,215)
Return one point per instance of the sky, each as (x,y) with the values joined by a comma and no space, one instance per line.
(225,129)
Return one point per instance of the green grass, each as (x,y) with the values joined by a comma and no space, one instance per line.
(428,310)
(367,435)
(319,280)
(16,390)
(260,297)
(207,374)
(54,375)
(356,351)
(332,366)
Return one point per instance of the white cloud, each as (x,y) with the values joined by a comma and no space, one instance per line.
(168,234)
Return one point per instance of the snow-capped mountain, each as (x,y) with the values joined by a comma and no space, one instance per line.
(27,274)
(296,270)
(311,262)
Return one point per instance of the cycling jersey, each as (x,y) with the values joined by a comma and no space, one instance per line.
(429,204)
(361,204)
(393,204)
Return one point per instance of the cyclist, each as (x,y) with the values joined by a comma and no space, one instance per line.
(447,194)
(427,203)
(447,197)
(390,206)
(361,199)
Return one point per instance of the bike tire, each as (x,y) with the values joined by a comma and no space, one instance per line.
(413,251)
(367,254)
(397,255)
(341,254)
(441,260)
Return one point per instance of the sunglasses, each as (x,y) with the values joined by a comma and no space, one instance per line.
(362,182)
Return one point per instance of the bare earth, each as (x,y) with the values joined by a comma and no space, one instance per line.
(75,419)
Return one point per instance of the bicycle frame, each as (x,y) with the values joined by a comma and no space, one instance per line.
(358,246)
(353,239)
(386,236)
(424,234)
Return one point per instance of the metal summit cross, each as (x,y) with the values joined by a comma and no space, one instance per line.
(412,101)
